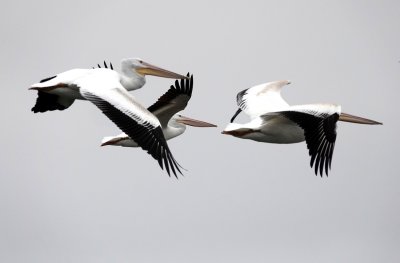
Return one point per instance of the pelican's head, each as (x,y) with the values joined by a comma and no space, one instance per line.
(142,68)
(191,122)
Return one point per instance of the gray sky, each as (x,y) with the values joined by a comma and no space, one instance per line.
(65,199)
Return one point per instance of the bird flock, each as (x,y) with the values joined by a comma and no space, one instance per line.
(272,119)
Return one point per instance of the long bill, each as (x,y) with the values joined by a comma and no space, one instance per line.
(150,69)
(193,122)
(355,119)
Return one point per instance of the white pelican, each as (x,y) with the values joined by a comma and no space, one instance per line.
(173,125)
(108,90)
(274,121)
(59,92)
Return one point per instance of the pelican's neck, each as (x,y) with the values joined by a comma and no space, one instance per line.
(131,80)
(174,129)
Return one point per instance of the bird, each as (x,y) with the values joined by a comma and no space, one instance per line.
(58,92)
(165,109)
(108,90)
(273,120)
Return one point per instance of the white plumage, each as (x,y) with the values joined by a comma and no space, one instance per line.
(108,90)
(165,109)
(274,121)
(60,91)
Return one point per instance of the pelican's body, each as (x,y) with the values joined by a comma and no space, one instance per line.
(281,131)
(273,120)
(108,90)
(165,109)
(59,92)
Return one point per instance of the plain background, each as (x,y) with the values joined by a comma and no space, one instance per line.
(65,199)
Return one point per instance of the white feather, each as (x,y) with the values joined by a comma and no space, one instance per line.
(264,98)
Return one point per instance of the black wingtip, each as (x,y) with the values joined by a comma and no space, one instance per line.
(191,85)
(105,65)
(47,102)
(47,79)
(177,84)
(236,114)
(171,165)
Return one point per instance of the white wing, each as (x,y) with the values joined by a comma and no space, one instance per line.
(67,78)
(171,102)
(261,99)
(103,88)
(58,92)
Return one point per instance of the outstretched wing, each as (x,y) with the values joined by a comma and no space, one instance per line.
(47,101)
(319,131)
(173,101)
(104,90)
(261,99)
(50,102)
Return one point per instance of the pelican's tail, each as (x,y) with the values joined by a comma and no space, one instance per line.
(108,140)
(119,140)
(236,130)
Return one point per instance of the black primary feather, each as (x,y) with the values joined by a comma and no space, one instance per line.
(240,102)
(47,102)
(106,66)
(47,79)
(320,135)
(148,137)
(236,114)
(184,87)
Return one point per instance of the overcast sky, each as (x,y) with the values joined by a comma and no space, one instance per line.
(65,199)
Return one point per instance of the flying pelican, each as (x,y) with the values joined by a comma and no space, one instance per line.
(59,92)
(108,90)
(274,121)
(173,125)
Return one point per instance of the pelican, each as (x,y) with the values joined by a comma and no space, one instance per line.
(173,125)
(108,90)
(274,121)
(59,92)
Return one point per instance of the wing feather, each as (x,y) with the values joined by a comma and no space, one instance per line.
(132,118)
(261,99)
(50,102)
(320,134)
(173,101)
